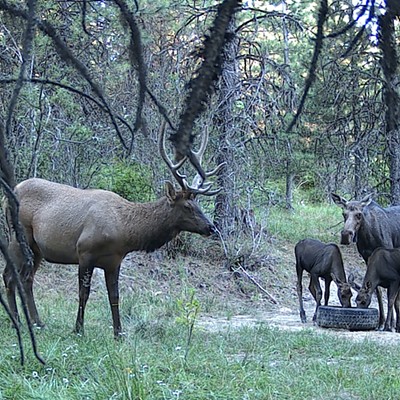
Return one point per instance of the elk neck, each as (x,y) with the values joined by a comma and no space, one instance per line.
(148,226)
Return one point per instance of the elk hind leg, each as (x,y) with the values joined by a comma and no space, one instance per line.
(85,278)
(10,277)
(28,278)
(111,277)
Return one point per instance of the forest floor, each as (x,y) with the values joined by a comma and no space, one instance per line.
(259,291)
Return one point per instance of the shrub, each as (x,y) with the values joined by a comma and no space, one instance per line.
(132,181)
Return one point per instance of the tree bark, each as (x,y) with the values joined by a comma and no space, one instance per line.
(229,83)
(390,65)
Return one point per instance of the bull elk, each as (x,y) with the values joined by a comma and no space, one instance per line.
(97,228)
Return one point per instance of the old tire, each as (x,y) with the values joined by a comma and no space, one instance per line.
(353,319)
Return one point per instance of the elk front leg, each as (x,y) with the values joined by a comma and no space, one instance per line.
(85,277)
(112,276)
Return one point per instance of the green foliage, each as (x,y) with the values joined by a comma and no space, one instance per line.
(130,180)
(188,309)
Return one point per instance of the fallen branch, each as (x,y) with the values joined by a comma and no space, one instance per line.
(270,297)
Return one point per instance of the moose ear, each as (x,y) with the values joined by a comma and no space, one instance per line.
(366,200)
(354,285)
(338,200)
(170,191)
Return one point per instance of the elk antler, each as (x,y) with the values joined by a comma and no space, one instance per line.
(197,184)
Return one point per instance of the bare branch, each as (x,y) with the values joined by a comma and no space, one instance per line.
(322,14)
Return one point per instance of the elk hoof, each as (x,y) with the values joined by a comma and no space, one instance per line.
(119,335)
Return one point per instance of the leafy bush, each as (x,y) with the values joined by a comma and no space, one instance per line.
(132,181)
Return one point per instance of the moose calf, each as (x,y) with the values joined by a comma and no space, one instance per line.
(325,261)
(383,270)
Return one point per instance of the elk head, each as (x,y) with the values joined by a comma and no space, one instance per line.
(188,193)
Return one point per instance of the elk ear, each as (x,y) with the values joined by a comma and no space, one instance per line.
(338,200)
(170,191)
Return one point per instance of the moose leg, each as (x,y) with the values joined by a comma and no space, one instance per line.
(380,307)
(300,295)
(85,277)
(111,276)
(391,295)
(397,309)
(316,291)
(327,290)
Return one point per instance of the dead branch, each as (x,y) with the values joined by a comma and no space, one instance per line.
(245,273)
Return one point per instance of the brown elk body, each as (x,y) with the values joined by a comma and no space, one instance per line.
(96,228)
(325,261)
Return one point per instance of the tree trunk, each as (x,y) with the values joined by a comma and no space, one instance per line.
(389,62)
(224,121)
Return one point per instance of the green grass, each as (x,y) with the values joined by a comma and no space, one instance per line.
(247,363)
(322,222)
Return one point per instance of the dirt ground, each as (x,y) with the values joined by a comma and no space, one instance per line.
(286,318)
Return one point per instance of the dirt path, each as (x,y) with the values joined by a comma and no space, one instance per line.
(285,318)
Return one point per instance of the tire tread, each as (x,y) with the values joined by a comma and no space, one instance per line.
(355,319)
